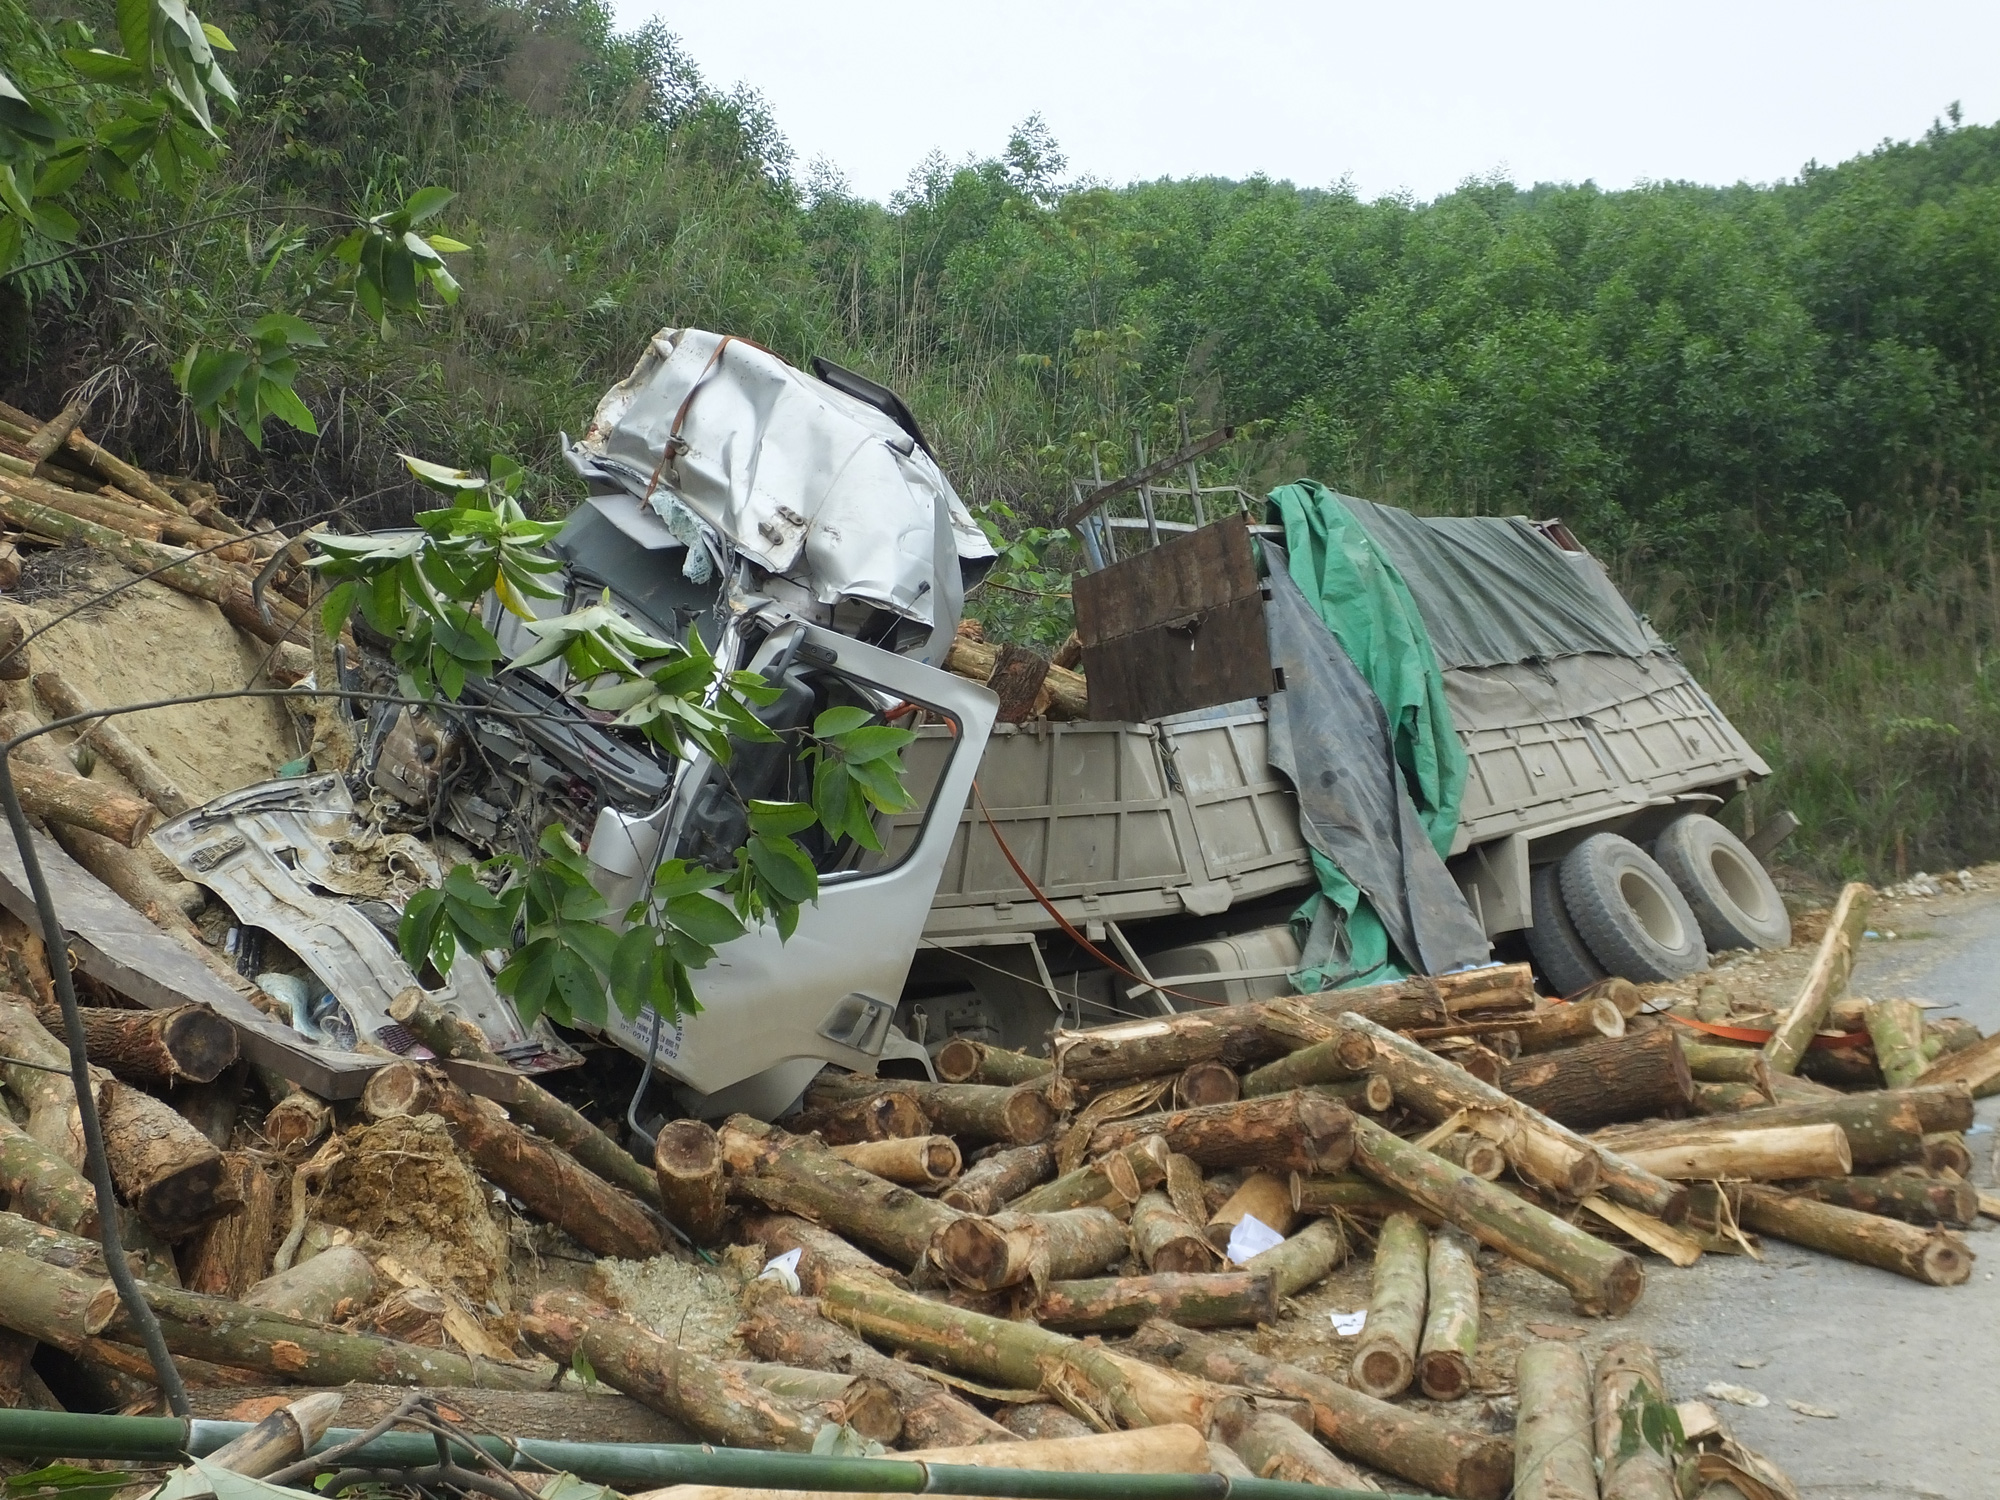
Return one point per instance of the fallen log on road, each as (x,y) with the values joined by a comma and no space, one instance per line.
(1385,1361)
(1927,1255)
(1003,1177)
(988,1254)
(975,1111)
(1119,1304)
(1614,1078)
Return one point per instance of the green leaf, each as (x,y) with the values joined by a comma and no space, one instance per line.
(426,203)
(213,374)
(135,30)
(438,477)
(871,742)
(446,244)
(217,37)
(283,403)
(779,819)
(283,328)
(67,1481)
(842,720)
(704,919)
(100,66)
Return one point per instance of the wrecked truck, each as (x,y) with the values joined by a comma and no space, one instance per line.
(1241,810)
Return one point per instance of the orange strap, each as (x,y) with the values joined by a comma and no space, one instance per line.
(1843,1040)
(1063,922)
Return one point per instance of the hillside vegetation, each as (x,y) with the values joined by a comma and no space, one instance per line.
(1774,410)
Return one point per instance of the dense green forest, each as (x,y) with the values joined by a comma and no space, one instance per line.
(1774,410)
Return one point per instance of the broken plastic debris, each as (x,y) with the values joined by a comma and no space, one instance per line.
(783,1270)
(1805,1410)
(1739,1395)
(1349,1324)
(1251,1236)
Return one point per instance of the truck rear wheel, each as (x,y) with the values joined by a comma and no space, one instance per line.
(1629,911)
(1732,897)
(1566,963)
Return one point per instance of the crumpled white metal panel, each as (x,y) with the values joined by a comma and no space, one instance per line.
(802,479)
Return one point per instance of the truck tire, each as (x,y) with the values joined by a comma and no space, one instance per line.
(1733,899)
(1629,911)
(1566,964)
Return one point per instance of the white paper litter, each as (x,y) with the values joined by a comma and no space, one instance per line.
(1251,1236)
(1740,1395)
(1349,1324)
(784,1270)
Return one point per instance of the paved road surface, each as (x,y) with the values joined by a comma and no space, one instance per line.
(1913,1371)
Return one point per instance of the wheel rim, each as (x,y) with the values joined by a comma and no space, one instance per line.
(1741,885)
(1655,913)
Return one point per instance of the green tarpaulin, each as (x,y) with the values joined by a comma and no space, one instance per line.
(1357,591)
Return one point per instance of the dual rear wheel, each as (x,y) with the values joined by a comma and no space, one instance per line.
(1609,907)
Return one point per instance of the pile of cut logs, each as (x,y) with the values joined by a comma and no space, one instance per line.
(1035,1252)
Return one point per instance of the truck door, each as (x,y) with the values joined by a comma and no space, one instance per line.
(775,1012)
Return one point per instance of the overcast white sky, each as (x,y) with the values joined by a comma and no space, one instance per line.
(1417,96)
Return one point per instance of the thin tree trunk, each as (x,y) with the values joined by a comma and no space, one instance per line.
(120,749)
(1038,1421)
(1897,1029)
(1207,1083)
(1729,1098)
(887,1116)
(1976,1066)
(1761,1155)
(718,1403)
(1334,1060)
(1114,1181)
(1952,1202)
(1119,1304)
(1119,1390)
(1564,1025)
(918,1161)
(1825,980)
(297,1118)
(528,1102)
(792,1330)
(962,1061)
(1166,1241)
(1019,1115)
(689,1186)
(234,1253)
(1628,1380)
(155,1046)
(1395,1439)
(1615,1078)
(1265,1197)
(1451,1321)
(1553,1446)
(822,1253)
(1600,1278)
(1273,1446)
(38,1183)
(1293,1132)
(1304,1260)
(1437,1090)
(1386,1360)
(798,1176)
(315,1290)
(547,1179)
(1882,1128)
(1006,1175)
(65,1308)
(858,1401)
(1927,1255)
(1008,1249)
(1712,1064)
